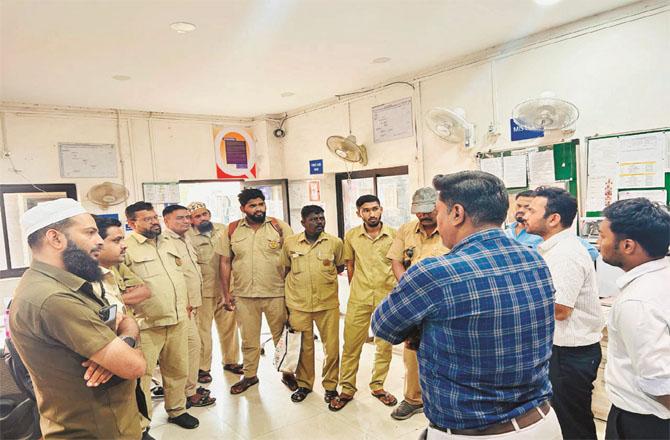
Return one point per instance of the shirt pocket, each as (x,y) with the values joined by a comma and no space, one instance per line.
(239,245)
(326,261)
(298,262)
(145,264)
(205,253)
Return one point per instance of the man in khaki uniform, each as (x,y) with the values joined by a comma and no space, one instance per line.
(415,241)
(204,234)
(312,260)
(251,249)
(84,371)
(177,221)
(162,317)
(371,279)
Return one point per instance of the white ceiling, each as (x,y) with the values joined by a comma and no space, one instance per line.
(245,54)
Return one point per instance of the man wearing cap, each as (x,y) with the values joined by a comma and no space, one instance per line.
(177,221)
(414,241)
(83,363)
(204,234)
(163,316)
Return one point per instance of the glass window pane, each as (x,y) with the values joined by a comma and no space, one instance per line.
(352,190)
(393,193)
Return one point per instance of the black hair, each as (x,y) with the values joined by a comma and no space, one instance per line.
(250,194)
(172,208)
(367,198)
(560,202)
(136,207)
(526,193)
(482,195)
(641,220)
(104,223)
(35,238)
(310,209)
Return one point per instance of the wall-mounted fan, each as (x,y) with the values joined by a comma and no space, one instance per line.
(107,194)
(545,113)
(347,149)
(451,126)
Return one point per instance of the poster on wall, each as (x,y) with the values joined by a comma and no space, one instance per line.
(235,153)
(87,160)
(392,121)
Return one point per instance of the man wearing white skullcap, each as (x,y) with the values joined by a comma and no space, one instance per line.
(84,364)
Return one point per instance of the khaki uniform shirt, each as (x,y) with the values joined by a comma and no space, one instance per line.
(311,285)
(189,266)
(411,236)
(111,289)
(159,265)
(257,271)
(55,327)
(208,260)
(373,278)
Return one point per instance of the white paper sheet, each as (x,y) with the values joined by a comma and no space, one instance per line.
(603,157)
(600,193)
(492,165)
(642,161)
(655,195)
(161,192)
(515,171)
(541,168)
(392,121)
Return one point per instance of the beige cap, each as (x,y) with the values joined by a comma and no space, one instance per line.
(48,213)
(193,207)
(424,200)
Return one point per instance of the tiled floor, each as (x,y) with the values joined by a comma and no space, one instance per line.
(265,411)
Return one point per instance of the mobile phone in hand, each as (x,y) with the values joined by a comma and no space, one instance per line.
(108,316)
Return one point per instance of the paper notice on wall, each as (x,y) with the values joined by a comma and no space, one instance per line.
(493,165)
(392,121)
(161,192)
(655,195)
(667,151)
(541,168)
(600,193)
(515,173)
(603,156)
(642,160)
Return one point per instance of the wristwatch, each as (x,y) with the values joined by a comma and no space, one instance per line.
(129,340)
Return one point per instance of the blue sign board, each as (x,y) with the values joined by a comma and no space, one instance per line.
(519,133)
(316,166)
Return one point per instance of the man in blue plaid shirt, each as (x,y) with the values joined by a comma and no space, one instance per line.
(485,316)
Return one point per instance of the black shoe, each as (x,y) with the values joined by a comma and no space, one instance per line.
(185,420)
(158,392)
(300,394)
(146,435)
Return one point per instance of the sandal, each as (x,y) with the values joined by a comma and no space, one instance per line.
(233,368)
(243,385)
(330,395)
(203,390)
(385,397)
(340,402)
(204,376)
(300,394)
(289,381)
(202,400)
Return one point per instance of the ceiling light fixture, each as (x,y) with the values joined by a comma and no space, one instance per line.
(121,77)
(287,94)
(182,27)
(381,60)
(546,2)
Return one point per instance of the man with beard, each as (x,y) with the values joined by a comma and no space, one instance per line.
(251,249)
(58,326)
(177,221)
(163,316)
(635,236)
(413,242)
(312,260)
(371,279)
(576,354)
(204,234)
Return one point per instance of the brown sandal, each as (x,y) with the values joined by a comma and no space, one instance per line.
(340,402)
(385,397)
(204,376)
(243,385)
(233,368)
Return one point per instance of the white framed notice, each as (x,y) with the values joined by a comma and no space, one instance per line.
(87,160)
(161,192)
(392,121)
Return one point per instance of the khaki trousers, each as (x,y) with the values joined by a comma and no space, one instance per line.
(226,327)
(328,323)
(356,325)
(412,386)
(167,345)
(194,348)
(249,313)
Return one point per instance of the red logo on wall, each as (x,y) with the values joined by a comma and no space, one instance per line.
(235,154)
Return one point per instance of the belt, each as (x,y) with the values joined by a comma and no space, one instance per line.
(523,421)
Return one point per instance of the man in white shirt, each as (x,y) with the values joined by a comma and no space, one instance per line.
(579,319)
(635,236)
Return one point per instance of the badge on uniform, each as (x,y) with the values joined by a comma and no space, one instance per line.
(326,262)
(274,244)
(178,261)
